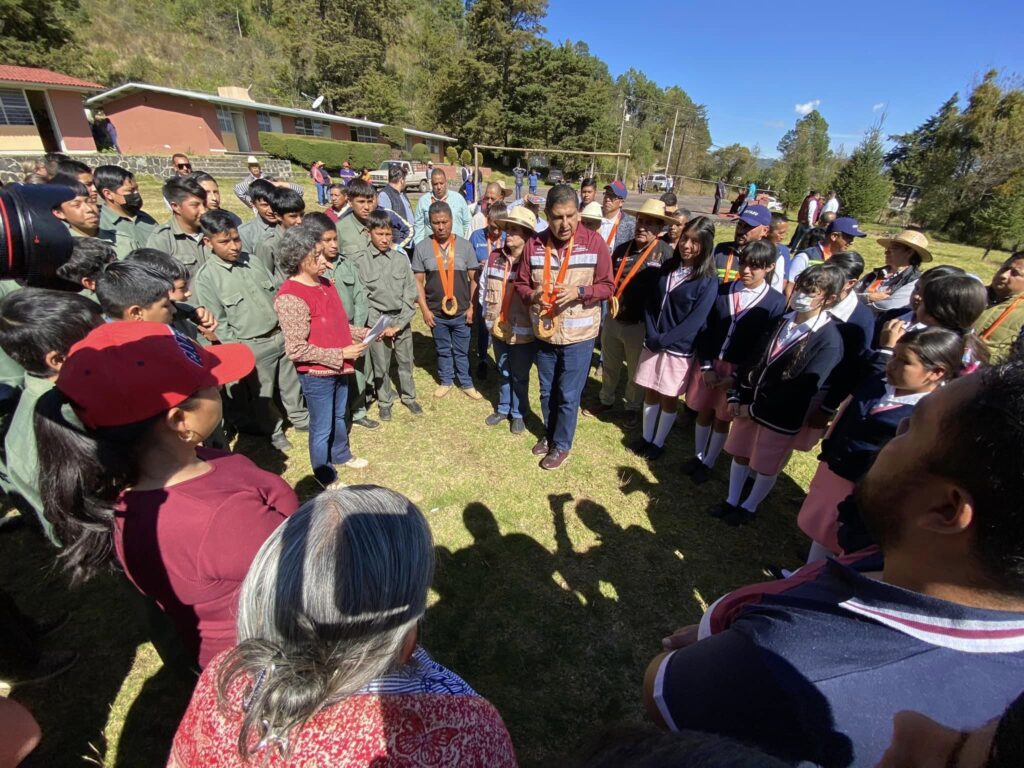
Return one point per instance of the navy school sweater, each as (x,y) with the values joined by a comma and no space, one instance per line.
(672,324)
(778,397)
(857,333)
(746,338)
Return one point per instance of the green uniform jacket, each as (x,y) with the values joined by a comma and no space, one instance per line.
(20,444)
(186,248)
(11,373)
(126,234)
(1002,339)
(254,232)
(390,285)
(266,252)
(350,288)
(240,295)
(353,237)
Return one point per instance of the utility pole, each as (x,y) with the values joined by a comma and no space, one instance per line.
(668,155)
(682,145)
(622,130)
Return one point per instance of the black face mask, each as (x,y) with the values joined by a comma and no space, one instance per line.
(132,202)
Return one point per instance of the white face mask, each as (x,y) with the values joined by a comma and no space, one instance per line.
(801,302)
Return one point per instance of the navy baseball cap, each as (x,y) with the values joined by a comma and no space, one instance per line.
(756,216)
(618,189)
(847,226)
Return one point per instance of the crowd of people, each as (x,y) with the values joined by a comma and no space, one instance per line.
(900,643)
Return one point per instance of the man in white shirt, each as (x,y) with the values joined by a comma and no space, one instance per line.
(441,194)
(831,205)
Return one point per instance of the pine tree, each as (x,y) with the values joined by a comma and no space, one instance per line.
(862,184)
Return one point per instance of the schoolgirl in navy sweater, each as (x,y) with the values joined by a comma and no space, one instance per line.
(678,302)
(730,338)
(921,361)
(772,398)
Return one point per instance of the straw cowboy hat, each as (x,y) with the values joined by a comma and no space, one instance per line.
(914,240)
(652,209)
(592,211)
(519,216)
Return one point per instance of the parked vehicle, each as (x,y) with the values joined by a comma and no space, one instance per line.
(657,182)
(415,175)
(555,176)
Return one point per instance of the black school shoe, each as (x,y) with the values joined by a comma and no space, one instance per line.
(366,423)
(495,419)
(701,474)
(739,516)
(384,412)
(691,465)
(517,427)
(414,408)
(721,509)
(640,447)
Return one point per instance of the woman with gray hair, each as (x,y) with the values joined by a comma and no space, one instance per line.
(318,340)
(327,670)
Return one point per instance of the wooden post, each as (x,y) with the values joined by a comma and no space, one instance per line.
(476,174)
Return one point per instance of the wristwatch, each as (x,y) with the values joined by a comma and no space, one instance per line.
(581,293)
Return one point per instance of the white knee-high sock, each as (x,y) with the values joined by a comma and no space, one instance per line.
(763,485)
(700,440)
(737,477)
(714,448)
(665,422)
(650,420)
(818,552)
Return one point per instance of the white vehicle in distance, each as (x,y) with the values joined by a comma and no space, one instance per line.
(657,182)
(415,175)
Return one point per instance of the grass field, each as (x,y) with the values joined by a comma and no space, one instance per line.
(552,591)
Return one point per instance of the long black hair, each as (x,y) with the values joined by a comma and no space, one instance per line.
(702,229)
(956,302)
(937,348)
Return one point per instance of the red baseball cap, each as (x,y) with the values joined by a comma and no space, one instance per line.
(126,372)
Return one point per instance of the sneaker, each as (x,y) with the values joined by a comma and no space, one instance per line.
(701,474)
(541,448)
(739,516)
(721,509)
(384,412)
(472,394)
(442,390)
(639,446)
(481,369)
(495,419)
(281,443)
(51,664)
(367,423)
(414,408)
(596,409)
(554,459)
(654,452)
(355,463)
(48,626)
(691,466)
(517,427)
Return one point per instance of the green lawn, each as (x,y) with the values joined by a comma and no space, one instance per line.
(552,592)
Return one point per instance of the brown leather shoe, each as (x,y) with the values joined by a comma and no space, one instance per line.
(596,409)
(472,393)
(541,448)
(554,459)
(442,390)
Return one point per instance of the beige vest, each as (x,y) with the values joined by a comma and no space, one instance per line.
(574,323)
(520,325)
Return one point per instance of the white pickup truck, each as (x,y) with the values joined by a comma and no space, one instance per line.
(415,175)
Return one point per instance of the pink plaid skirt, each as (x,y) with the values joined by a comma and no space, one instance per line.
(701,397)
(818,516)
(766,449)
(663,372)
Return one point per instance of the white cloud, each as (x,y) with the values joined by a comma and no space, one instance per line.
(879,106)
(807,107)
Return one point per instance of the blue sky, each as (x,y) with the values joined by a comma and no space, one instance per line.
(755,66)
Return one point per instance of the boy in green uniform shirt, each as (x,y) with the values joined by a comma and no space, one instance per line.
(342,273)
(80,214)
(289,208)
(260,226)
(181,237)
(239,291)
(353,237)
(390,287)
(89,255)
(196,322)
(122,220)
(37,328)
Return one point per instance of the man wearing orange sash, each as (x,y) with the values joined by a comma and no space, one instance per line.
(445,267)
(622,337)
(564,275)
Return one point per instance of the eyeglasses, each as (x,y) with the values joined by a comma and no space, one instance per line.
(185,166)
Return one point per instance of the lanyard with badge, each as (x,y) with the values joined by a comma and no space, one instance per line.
(449,304)
(737,311)
(613,309)
(546,319)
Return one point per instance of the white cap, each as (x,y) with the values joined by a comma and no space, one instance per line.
(592,211)
(251,160)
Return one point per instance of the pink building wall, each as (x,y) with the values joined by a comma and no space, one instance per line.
(155,123)
(69,113)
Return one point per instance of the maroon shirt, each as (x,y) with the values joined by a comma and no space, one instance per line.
(189,546)
(603,286)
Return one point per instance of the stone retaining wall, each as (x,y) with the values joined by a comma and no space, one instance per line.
(227,169)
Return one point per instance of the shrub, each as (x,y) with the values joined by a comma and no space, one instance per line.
(420,153)
(452,156)
(304,150)
(466,156)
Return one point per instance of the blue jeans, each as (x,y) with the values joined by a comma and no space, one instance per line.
(519,190)
(514,362)
(562,371)
(326,399)
(322,196)
(451,339)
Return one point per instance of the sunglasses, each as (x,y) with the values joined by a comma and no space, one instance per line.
(184,166)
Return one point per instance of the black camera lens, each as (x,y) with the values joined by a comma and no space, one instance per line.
(33,242)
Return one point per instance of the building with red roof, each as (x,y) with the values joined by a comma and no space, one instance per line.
(42,111)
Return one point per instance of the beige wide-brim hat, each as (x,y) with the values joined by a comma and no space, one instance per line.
(501,185)
(519,216)
(252,160)
(592,211)
(911,238)
(652,209)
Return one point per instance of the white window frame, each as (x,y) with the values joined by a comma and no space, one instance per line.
(366,135)
(224,121)
(15,92)
(264,122)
